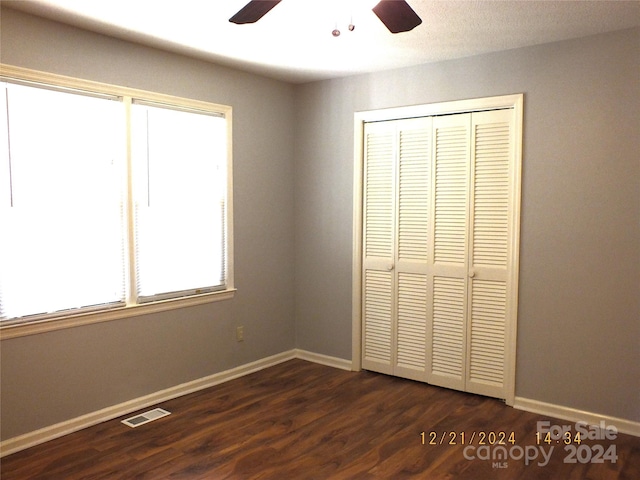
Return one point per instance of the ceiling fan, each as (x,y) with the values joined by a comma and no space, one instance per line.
(397,15)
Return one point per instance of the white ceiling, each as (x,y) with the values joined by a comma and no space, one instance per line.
(294,43)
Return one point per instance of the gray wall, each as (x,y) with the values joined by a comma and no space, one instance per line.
(60,375)
(578,338)
(579,305)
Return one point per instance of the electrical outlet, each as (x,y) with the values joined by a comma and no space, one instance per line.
(240,334)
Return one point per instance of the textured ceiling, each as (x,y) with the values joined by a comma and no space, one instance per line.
(293,42)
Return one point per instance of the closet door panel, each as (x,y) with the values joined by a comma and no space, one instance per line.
(379,191)
(446,321)
(488,254)
(414,187)
(451,189)
(487,339)
(447,331)
(411,326)
(377,311)
(378,290)
(491,186)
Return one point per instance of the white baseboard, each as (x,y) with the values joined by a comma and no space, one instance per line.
(573,415)
(51,432)
(323,359)
(21,442)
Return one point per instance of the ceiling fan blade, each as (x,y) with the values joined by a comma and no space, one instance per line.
(253,11)
(397,15)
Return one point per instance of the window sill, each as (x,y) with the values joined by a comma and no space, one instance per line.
(79,319)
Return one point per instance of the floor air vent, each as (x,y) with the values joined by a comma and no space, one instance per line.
(146,417)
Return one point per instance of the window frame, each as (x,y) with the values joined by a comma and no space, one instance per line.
(67,319)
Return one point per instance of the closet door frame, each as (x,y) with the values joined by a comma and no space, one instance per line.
(514,102)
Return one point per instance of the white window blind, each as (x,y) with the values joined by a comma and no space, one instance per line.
(179,163)
(61,213)
(109,199)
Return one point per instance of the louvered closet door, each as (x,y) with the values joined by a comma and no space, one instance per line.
(411,265)
(490,232)
(471,231)
(447,316)
(395,232)
(378,289)
(438,226)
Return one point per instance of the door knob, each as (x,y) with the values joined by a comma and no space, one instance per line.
(472,273)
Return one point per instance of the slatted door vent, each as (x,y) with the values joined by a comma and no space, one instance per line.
(145,417)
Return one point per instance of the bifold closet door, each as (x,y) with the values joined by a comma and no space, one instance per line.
(472,204)
(438,222)
(378,246)
(447,316)
(397,174)
(490,233)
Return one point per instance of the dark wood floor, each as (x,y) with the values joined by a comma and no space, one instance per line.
(299,420)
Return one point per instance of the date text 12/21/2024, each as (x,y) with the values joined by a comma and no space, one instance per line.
(500,446)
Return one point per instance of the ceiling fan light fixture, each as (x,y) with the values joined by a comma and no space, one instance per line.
(397,15)
(253,11)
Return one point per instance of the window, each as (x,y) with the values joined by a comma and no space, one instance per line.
(62,241)
(179,160)
(109,198)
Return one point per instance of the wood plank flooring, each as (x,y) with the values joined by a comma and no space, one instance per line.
(300,420)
